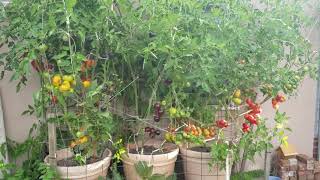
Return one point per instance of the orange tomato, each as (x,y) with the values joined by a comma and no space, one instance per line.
(86,83)
(72,144)
(84,139)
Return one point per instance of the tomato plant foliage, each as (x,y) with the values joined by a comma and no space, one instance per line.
(191,54)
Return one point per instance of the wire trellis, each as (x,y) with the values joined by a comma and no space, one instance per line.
(185,166)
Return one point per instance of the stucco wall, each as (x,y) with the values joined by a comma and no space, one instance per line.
(17,126)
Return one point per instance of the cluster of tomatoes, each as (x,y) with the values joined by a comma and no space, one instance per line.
(170,136)
(193,130)
(178,113)
(88,64)
(222,123)
(152,131)
(252,116)
(81,139)
(64,83)
(236,99)
(278,99)
(158,112)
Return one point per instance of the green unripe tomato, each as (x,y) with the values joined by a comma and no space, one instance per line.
(43,48)
(65,38)
(163,103)
(306,68)
(184,134)
(45,75)
(79,134)
(289,86)
(188,84)
(182,113)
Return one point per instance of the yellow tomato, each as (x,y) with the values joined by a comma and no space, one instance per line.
(65,86)
(68,78)
(86,83)
(206,132)
(56,80)
(237,93)
(167,137)
(83,139)
(236,101)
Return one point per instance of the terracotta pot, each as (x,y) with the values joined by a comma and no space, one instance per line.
(196,166)
(162,163)
(87,172)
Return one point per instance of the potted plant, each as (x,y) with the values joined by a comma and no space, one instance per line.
(60,42)
(89,128)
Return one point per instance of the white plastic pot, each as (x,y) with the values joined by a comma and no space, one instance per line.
(196,166)
(87,172)
(162,163)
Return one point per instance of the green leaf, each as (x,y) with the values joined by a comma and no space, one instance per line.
(157,177)
(70,4)
(143,170)
(61,101)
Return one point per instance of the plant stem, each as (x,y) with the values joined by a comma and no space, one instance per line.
(134,87)
(155,87)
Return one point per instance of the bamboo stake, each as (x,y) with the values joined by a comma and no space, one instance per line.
(52,139)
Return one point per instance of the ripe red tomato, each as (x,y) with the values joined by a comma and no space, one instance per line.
(280,98)
(245,127)
(222,123)
(54,99)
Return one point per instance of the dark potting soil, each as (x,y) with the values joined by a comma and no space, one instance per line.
(200,149)
(147,150)
(70,162)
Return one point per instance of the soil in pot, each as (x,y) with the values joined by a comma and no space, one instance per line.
(200,149)
(148,150)
(69,162)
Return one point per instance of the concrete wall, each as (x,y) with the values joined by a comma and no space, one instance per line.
(17,126)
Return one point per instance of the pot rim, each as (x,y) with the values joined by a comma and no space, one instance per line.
(91,165)
(173,148)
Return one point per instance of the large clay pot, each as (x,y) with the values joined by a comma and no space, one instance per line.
(196,166)
(162,163)
(87,172)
